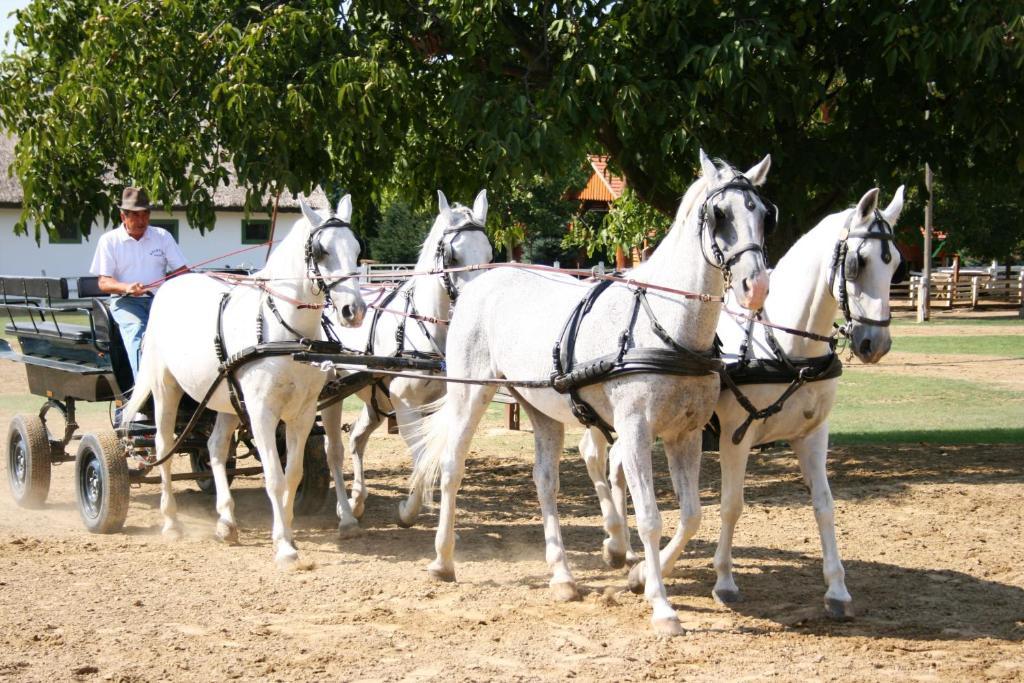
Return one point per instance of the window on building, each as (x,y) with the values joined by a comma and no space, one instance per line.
(65,234)
(168,224)
(255,231)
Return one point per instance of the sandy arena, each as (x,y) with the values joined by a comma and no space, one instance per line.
(931,538)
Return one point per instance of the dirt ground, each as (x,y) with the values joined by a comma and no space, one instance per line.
(931,539)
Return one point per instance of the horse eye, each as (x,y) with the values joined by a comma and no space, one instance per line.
(719,215)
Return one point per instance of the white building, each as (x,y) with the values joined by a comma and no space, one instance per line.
(70,255)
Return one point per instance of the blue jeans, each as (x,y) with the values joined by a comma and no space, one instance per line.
(131,313)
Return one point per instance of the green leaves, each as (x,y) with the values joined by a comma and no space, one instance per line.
(382,96)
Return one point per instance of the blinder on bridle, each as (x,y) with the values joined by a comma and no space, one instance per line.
(315,252)
(712,219)
(847,265)
(855,260)
(446,252)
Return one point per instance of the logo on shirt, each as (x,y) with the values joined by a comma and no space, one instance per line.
(159,253)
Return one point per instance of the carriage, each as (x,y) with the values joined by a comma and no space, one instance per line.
(72,351)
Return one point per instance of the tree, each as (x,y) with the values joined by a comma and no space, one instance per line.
(440,93)
(400,233)
(629,222)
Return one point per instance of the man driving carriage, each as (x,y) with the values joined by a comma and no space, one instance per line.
(130,261)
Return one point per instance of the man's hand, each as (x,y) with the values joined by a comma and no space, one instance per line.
(111,286)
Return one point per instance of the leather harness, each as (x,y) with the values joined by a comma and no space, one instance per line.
(675,360)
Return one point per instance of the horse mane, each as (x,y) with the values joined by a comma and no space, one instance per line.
(808,248)
(297,233)
(427,251)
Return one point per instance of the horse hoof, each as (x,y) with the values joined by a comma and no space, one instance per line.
(226,533)
(287,561)
(726,597)
(404,519)
(565,591)
(613,559)
(668,626)
(637,583)
(172,533)
(348,529)
(441,574)
(839,610)
(358,507)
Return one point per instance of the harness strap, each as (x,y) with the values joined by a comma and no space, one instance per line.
(226,370)
(234,388)
(563,355)
(675,360)
(759,371)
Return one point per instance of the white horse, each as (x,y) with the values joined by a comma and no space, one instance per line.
(848,255)
(313,263)
(456,239)
(506,325)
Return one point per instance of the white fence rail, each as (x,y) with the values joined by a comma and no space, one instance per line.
(968,290)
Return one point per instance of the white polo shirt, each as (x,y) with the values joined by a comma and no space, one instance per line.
(129,260)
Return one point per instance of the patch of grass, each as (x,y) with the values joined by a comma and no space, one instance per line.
(900,409)
(1000,321)
(981,345)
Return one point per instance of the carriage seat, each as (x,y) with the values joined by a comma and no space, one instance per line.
(76,334)
(41,297)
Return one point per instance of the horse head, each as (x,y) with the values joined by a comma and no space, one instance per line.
(461,241)
(734,220)
(332,260)
(865,263)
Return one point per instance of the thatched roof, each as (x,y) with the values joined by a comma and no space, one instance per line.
(226,198)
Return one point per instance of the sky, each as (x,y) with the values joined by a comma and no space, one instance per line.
(6,22)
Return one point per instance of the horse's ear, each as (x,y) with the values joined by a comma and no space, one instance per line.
(480,207)
(707,168)
(344,211)
(312,216)
(867,204)
(895,208)
(442,206)
(758,173)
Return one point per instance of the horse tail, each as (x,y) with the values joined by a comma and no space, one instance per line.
(144,383)
(429,437)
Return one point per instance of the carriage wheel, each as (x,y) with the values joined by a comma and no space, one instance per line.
(101,482)
(316,478)
(201,464)
(28,460)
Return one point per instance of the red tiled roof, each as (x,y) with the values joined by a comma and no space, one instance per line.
(602,186)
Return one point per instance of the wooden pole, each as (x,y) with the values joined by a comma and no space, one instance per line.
(620,258)
(273,224)
(923,311)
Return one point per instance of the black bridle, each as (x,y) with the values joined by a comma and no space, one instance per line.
(315,252)
(722,260)
(847,265)
(445,253)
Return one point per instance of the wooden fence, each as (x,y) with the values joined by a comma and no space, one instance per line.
(969,290)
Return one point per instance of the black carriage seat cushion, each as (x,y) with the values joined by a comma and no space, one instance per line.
(89,286)
(77,334)
(53,288)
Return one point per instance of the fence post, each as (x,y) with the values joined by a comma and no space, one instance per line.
(1020,294)
(975,289)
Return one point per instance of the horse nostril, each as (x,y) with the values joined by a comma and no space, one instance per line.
(346,312)
(746,285)
(865,347)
